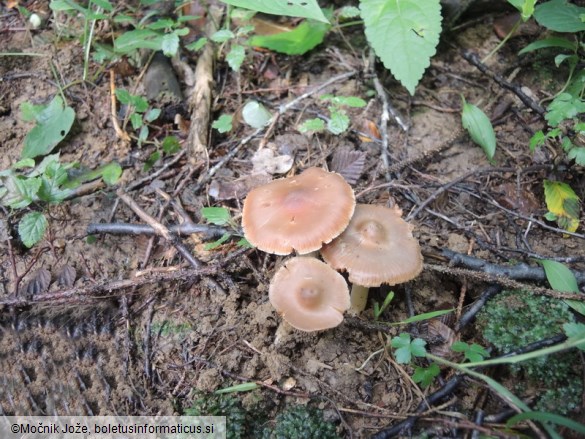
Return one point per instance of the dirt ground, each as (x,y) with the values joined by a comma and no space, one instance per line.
(148,347)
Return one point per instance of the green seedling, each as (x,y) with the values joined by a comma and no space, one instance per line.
(48,182)
(223,124)
(480,128)
(140,113)
(405,348)
(339,121)
(220,216)
(169,146)
(379,310)
(472,352)
(426,375)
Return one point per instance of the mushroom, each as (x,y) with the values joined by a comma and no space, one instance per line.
(298,213)
(376,247)
(309,294)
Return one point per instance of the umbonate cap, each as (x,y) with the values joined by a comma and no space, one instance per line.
(309,294)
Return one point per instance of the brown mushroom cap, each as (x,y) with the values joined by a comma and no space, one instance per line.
(377,247)
(309,294)
(298,213)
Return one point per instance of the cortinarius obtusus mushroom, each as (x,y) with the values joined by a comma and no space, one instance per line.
(376,247)
(298,213)
(309,294)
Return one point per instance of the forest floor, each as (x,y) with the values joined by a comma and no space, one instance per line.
(135,329)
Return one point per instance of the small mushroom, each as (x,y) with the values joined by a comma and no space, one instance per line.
(376,247)
(309,294)
(298,213)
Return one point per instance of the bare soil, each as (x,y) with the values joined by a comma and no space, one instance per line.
(147,349)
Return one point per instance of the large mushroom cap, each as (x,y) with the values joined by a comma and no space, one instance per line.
(376,247)
(309,294)
(298,213)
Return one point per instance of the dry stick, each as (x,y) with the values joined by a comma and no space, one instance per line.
(183,229)
(520,271)
(384,119)
(282,109)
(508,283)
(119,132)
(160,229)
(200,99)
(474,60)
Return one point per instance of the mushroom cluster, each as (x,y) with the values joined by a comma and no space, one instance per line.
(314,211)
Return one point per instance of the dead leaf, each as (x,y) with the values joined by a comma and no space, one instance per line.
(265,162)
(268,27)
(39,283)
(440,337)
(290,143)
(348,163)
(229,190)
(370,129)
(66,276)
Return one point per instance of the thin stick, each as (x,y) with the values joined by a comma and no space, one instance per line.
(119,132)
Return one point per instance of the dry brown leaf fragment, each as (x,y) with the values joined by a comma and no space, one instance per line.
(370,129)
(349,164)
(39,283)
(66,276)
(229,190)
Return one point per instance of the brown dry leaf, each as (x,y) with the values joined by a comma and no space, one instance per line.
(265,162)
(268,27)
(229,190)
(289,143)
(523,200)
(39,283)
(66,276)
(443,336)
(348,163)
(371,130)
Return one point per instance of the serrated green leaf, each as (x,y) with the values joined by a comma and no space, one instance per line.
(338,122)
(425,375)
(256,115)
(292,8)
(197,45)
(170,44)
(171,145)
(53,124)
(298,41)
(404,34)
(564,106)
(348,12)
(223,124)
(316,125)
(546,43)
(537,140)
(417,347)
(221,36)
(235,57)
(136,120)
(480,128)
(138,39)
(31,228)
(151,161)
(405,348)
(219,216)
(577,154)
(560,16)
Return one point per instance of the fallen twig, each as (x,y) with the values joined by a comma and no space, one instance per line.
(184,229)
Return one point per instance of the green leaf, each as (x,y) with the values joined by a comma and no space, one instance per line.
(546,417)
(348,12)
(560,16)
(405,348)
(170,44)
(564,106)
(223,124)
(292,8)
(525,7)
(151,161)
(163,23)
(152,115)
(171,145)
(104,4)
(24,163)
(219,216)
(298,41)
(243,387)
(197,45)
(426,375)
(349,101)
(53,124)
(473,352)
(562,279)
(316,125)
(31,228)
(136,120)
(339,122)
(235,57)
(111,173)
(546,43)
(223,35)
(29,112)
(256,115)
(424,316)
(480,128)
(562,201)
(138,39)
(404,34)
(575,331)
(577,154)
(220,241)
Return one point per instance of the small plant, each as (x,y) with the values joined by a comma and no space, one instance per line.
(379,310)
(47,182)
(301,422)
(140,114)
(338,122)
(220,216)
(515,319)
(473,352)
(407,348)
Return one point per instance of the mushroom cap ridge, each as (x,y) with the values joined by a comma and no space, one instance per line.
(298,213)
(310,295)
(376,247)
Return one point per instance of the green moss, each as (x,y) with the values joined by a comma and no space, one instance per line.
(515,319)
(301,422)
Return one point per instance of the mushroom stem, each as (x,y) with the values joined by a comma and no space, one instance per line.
(358,298)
